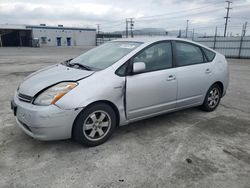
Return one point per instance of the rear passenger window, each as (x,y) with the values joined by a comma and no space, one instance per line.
(188,54)
(210,55)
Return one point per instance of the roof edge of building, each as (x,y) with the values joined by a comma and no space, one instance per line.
(61,28)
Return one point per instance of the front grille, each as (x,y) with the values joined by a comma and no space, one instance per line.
(24,98)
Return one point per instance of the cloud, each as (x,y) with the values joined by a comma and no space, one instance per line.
(111,14)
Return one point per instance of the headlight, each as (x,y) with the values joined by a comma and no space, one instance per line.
(54,93)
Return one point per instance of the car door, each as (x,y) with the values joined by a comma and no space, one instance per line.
(154,90)
(193,74)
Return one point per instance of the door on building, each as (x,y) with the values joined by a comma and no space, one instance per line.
(68,41)
(58,41)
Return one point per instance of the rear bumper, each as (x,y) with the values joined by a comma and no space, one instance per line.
(44,122)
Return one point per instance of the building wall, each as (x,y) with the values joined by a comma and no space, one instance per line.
(78,37)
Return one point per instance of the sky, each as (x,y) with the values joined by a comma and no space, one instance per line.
(203,15)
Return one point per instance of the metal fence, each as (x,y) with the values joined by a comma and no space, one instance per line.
(231,47)
(105,37)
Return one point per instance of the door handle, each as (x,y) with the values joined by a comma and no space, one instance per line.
(208,70)
(171,77)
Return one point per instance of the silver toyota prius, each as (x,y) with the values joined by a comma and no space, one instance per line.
(117,83)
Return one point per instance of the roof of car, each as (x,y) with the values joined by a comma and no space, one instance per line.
(149,39)
(156,39)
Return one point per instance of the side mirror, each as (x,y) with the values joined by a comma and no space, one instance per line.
(139,67)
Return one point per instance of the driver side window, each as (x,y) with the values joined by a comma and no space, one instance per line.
(156,57)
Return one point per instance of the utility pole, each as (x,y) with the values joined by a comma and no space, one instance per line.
(98,28)
(131,27)
(244,29)
(227,16)
(187,29)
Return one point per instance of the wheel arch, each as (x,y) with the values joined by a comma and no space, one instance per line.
(220,84)
(112,105)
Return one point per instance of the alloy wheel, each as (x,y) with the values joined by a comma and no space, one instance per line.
(97,125)
(213,97)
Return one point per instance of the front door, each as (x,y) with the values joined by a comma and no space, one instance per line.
(154,90)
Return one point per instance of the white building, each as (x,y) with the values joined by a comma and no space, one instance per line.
(28,35)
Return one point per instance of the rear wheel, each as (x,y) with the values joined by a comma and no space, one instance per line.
(212,98)
(95,124)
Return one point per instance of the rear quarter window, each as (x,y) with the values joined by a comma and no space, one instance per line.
(209,54)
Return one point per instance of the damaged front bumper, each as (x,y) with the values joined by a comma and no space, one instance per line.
(44,122)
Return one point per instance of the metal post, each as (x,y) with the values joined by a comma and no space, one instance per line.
(179,34)
(241,41)
(193,35)
(215,35)
(227,16)
(187,29)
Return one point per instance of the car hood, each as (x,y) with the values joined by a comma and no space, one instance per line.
(48,76)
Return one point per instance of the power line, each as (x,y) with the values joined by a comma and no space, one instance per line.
(180,11)
(179,16)
(227,16)
(104,22)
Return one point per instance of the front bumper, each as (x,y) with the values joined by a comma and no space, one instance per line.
(44,122)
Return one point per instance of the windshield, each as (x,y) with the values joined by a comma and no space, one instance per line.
(105,55)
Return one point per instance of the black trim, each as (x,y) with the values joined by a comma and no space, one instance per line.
(24,98)
(126,69)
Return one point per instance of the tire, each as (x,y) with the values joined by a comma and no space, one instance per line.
(94,125)
(212,99)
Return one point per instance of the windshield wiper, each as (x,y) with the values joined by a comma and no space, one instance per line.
(80,65)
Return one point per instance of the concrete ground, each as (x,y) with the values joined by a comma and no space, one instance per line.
(190,148)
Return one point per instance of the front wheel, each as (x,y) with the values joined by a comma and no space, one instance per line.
(94,125)
(212,98)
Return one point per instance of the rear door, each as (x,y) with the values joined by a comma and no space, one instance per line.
(193,74)
(154,90)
